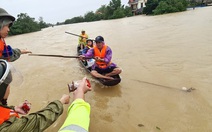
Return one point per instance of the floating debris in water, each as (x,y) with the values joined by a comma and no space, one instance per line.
(140,125)
(158,127)
(187,89)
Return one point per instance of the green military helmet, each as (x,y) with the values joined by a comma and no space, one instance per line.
(4,13)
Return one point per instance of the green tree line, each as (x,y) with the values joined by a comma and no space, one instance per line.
(114,10)
(26,24)
(156,7)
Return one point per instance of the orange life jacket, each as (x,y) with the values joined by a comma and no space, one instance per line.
(101,54)
(6,113)
(1,47)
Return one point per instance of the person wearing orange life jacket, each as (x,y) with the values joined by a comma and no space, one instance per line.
(103,67)
(10,120)
(82,40)
(6,51)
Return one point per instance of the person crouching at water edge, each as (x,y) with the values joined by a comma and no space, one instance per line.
(103,67)
(6,51)
(10,119)
(78,118)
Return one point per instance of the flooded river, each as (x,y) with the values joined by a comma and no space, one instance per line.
(158,54)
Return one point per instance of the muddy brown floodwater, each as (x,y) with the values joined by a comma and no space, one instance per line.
(158,54)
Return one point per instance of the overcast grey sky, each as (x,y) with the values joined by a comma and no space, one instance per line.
(53,11)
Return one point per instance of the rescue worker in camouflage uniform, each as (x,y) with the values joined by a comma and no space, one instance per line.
(6,51)
(10,121)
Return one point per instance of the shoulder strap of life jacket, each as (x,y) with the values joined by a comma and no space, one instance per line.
(1,47)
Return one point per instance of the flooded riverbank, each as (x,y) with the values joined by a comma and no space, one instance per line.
(158,54)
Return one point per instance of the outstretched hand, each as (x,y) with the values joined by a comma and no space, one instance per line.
(23,51)
(23,108)
(81,57)
(84,85)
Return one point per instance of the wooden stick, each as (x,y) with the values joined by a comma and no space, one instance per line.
(47,55)
(75,35)
(78,35)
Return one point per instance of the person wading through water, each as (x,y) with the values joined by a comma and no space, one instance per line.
(6,51)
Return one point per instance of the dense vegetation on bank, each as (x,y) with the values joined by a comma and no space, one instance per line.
(26,24)
(114,10)
(156,7)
